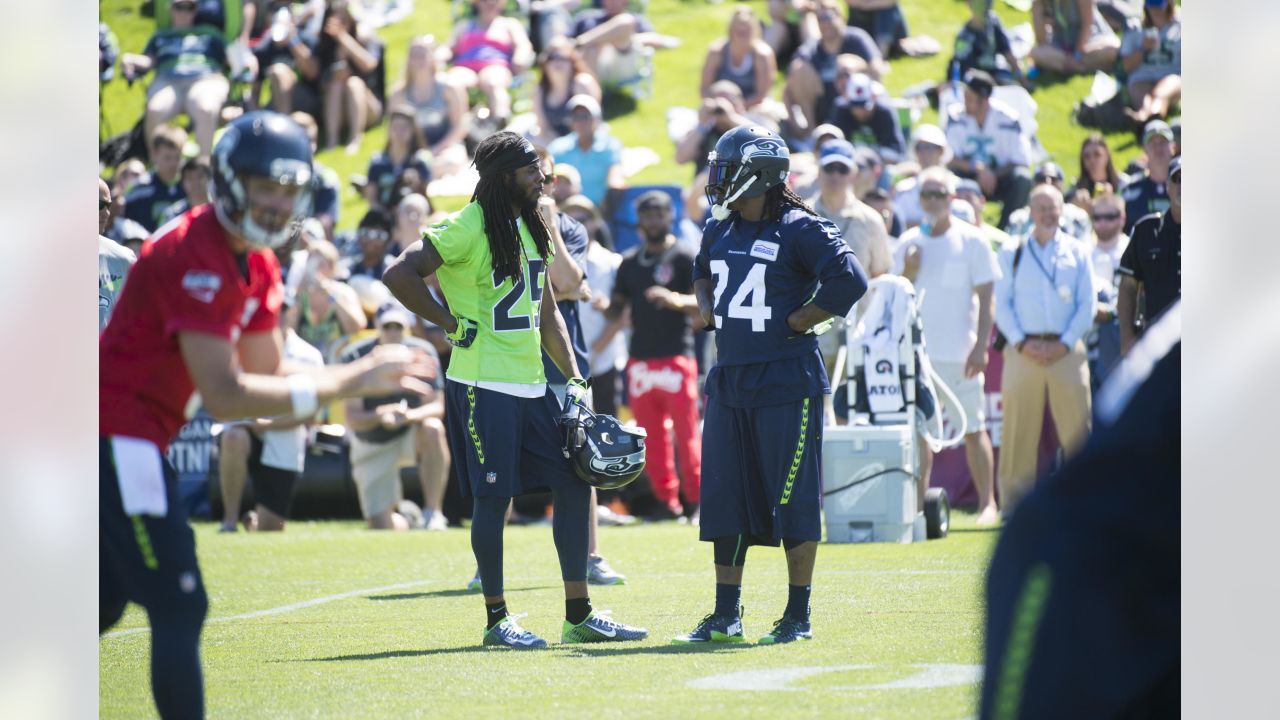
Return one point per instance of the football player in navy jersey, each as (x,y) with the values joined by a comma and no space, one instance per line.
(770,275)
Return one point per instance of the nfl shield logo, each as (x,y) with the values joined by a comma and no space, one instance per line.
(491,478)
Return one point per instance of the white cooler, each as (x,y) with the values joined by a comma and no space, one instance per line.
(881,509)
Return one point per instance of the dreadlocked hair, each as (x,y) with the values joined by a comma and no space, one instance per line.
(779,197)
(500,227)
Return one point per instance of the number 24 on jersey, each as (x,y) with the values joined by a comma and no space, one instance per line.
(748,301)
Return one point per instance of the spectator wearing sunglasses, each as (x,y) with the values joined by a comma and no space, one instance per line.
(929,149)
(374,236)
(954,270)
(1109,244)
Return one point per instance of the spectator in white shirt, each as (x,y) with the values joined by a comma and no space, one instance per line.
(929,149)
(989,145)
(953,269)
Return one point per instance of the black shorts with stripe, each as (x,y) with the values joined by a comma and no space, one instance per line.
(503,445)
(761,471)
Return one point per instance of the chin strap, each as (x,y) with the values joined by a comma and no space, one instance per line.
(720,211)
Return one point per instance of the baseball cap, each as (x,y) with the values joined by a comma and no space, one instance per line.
(825,130)
(838,151)
(1157,127)
(1175,166)
(860,92)
(393,312)
(971,186)
(867,158)
(590,104)
(655,199)
(980,82)
(963,211)
(1157,3)
(1049,171)
(931,134)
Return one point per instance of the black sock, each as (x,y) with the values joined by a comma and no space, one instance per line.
(577,610)
(727,599)
(494,613)
(798,602)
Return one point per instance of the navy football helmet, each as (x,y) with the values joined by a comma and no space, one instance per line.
(262,144)
(604,453)
(746,162)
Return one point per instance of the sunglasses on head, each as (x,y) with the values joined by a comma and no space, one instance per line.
(1106,217)
(932,194)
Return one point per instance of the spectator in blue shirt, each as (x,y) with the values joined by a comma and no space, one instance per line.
(589,148)
(153,193)
(1045,302)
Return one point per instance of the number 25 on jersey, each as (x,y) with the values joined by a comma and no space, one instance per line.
(748,301)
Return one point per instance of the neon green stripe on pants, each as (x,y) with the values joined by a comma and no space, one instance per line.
(795,461)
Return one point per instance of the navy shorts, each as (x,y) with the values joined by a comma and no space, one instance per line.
(503,445)
(147,560)
(761,471)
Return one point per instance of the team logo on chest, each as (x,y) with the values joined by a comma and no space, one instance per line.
(663,274)
(201,284)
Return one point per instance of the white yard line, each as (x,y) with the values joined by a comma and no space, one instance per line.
(402,586)
(287,608)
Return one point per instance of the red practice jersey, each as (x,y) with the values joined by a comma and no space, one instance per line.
(186,279)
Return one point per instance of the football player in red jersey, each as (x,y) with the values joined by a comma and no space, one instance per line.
(201,314)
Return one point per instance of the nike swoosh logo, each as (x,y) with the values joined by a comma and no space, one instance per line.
(610,632)
(735,628)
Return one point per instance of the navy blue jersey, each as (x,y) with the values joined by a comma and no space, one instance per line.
(762,273)
(1142,196)
(574,234)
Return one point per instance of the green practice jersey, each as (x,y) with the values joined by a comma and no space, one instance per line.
(508,345)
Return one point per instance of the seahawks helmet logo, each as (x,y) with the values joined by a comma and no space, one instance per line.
(766,147)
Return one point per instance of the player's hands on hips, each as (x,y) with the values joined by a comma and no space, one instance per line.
(463,333)
(390,369)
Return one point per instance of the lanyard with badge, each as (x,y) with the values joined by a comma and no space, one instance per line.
(1064,292)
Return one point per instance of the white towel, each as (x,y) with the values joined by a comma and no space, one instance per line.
(879,332)
(140,473)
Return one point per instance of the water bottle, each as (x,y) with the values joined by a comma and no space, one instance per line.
(280,23)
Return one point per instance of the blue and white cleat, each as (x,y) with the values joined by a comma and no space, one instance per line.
(787,629)
(508,633)
(714,629)
(599,627)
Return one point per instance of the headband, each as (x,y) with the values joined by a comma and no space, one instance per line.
(511,159)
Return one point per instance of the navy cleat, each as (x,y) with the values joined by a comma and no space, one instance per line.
(599,627)
(508,633)
(788,629)
(715,629)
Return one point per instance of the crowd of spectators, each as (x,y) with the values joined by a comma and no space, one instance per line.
(909,197)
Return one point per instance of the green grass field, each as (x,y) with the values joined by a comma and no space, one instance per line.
(329,620)
(677,71)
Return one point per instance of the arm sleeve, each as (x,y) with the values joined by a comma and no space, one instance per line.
(454,239)
(832,260)
(1086,300)
(889,137)
(1006,317)
(983,267)
(183,296)
(702,263)
(1129,264)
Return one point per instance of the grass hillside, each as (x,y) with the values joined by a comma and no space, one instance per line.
(696,23)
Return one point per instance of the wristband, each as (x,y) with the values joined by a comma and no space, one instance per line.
(302,393)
